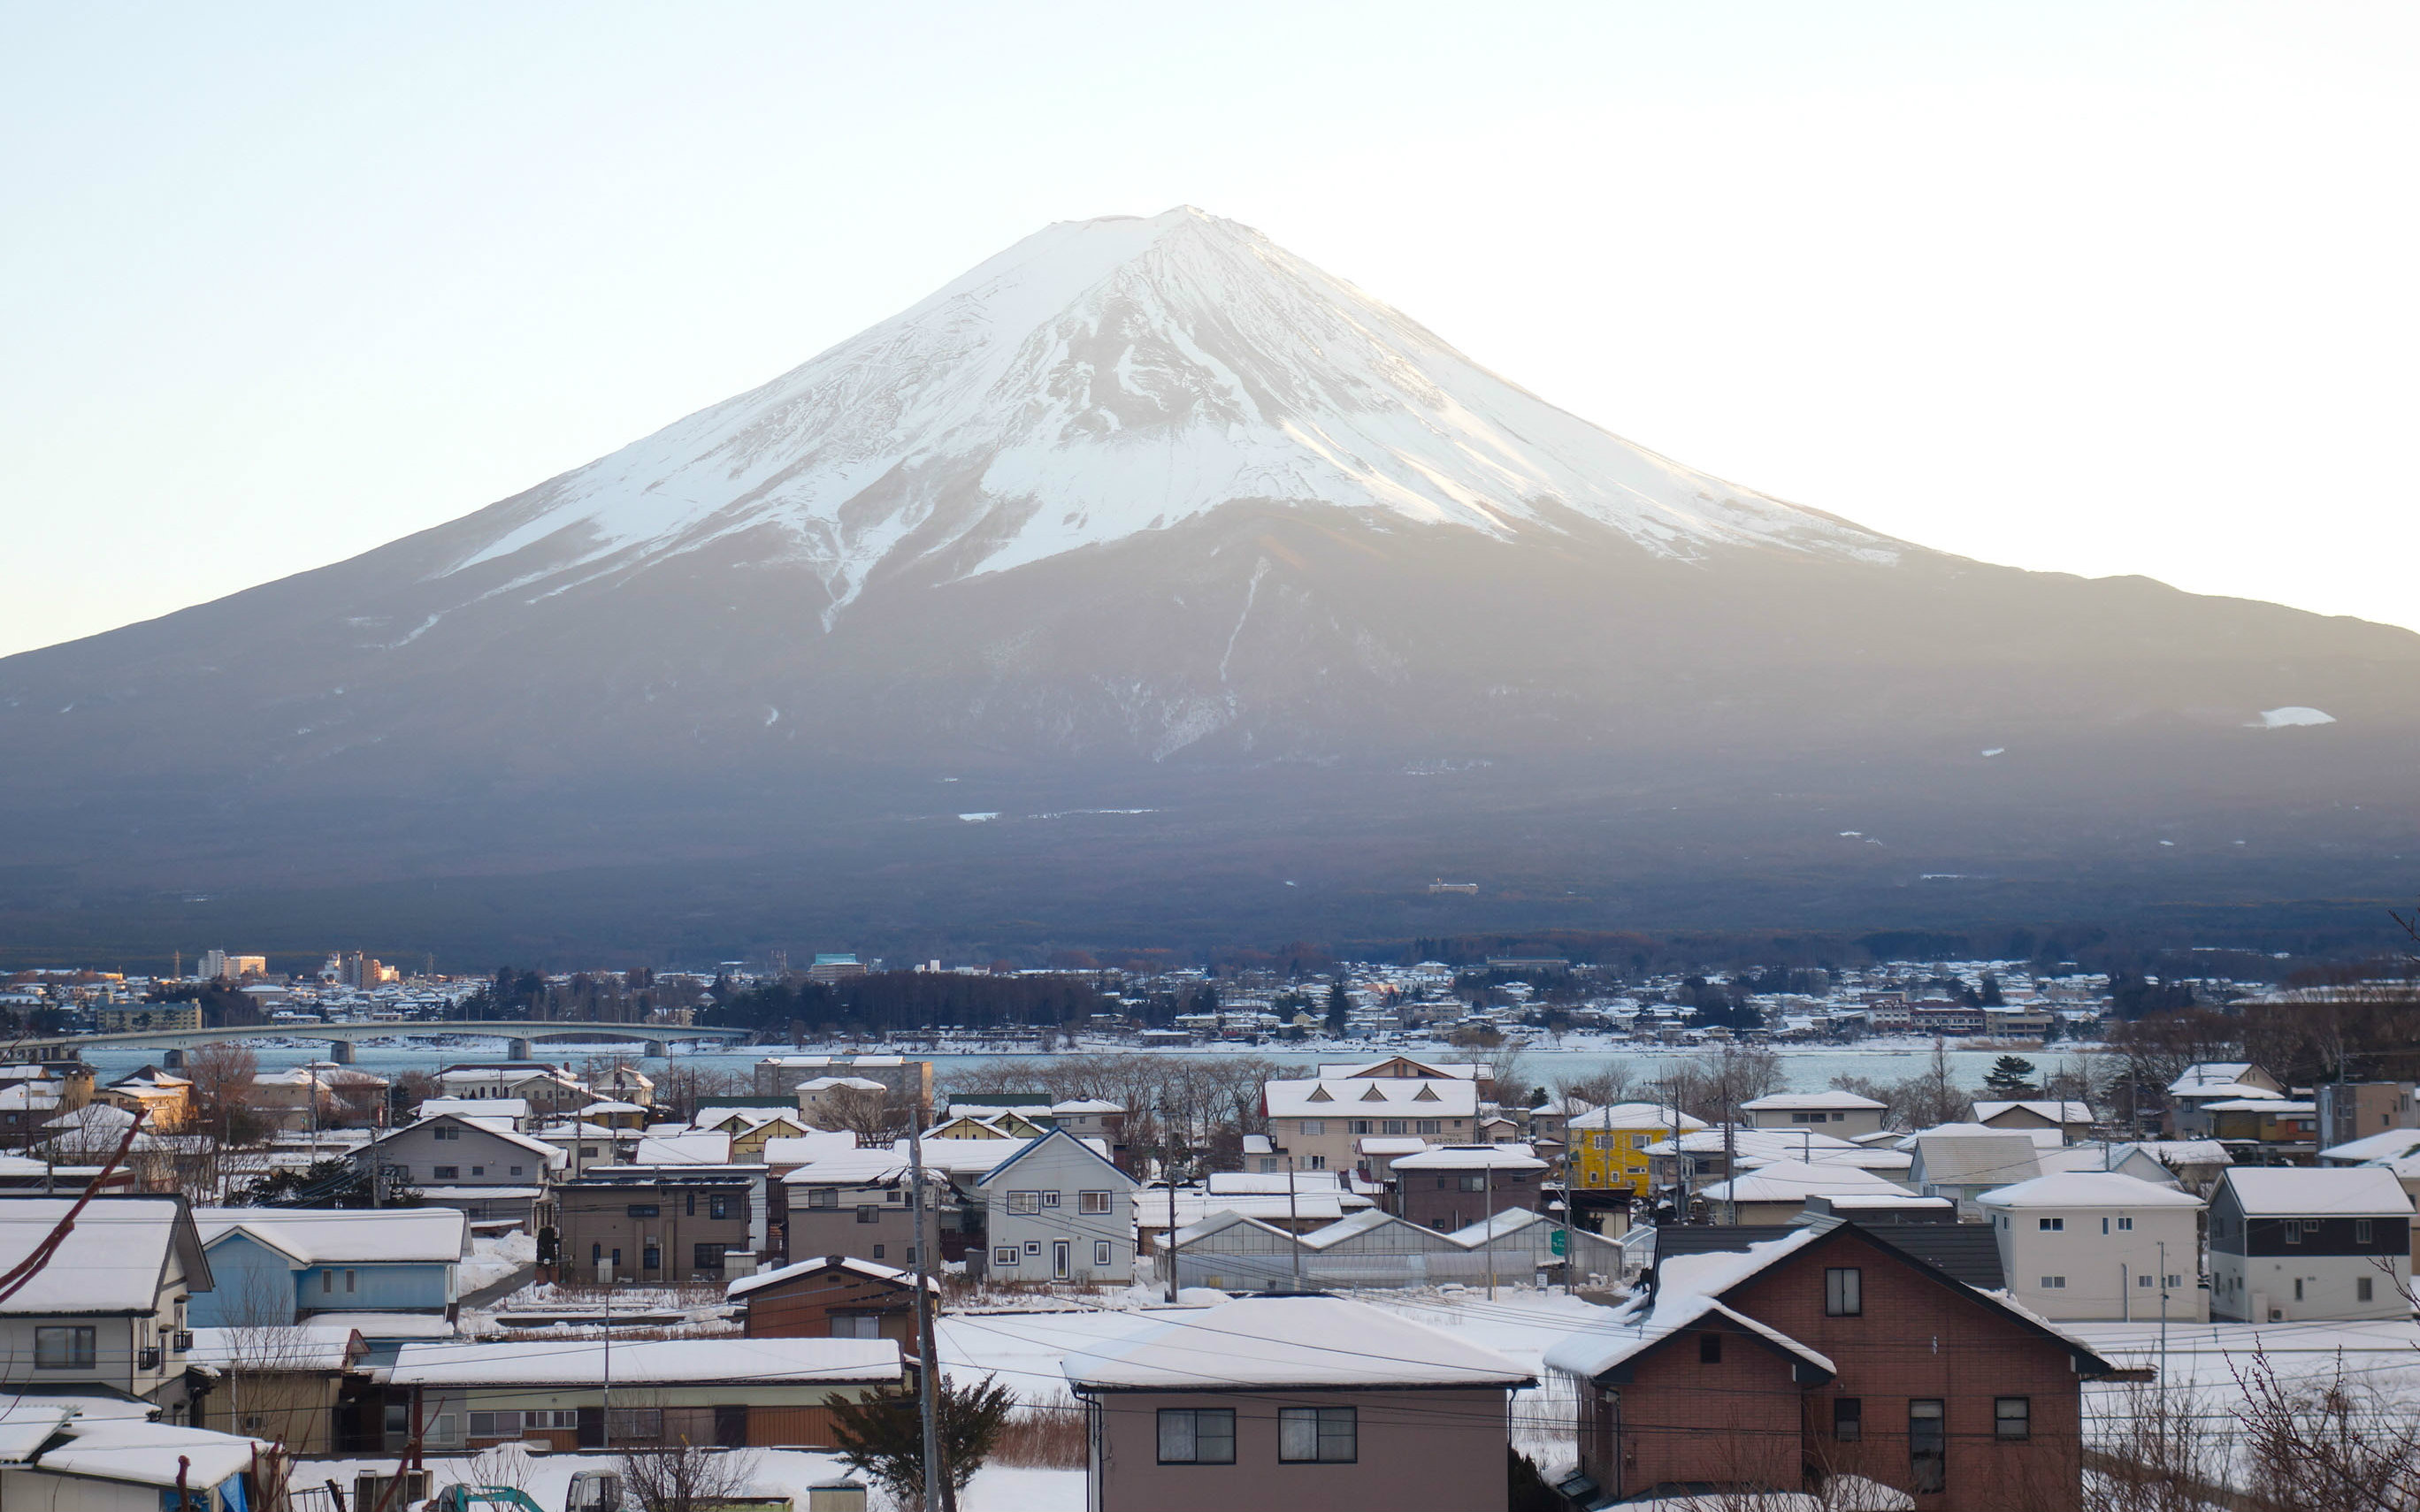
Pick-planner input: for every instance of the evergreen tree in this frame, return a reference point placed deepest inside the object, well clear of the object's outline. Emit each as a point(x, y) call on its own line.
point(2011, 1076)
point(1340, 1008)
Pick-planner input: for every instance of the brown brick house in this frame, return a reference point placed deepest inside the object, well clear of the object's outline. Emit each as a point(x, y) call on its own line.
point(1454, 1186)
point(1826, 1353)
point(830, 1296)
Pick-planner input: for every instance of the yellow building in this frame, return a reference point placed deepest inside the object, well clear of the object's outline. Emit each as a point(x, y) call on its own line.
point(144, 1018)
point(1608, 1146)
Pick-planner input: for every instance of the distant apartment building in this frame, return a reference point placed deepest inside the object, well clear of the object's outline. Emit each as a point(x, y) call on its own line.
point(146, 1018)
point(218, 966)
point(2352, 1110)
point(830, 967)
point(782, 1075)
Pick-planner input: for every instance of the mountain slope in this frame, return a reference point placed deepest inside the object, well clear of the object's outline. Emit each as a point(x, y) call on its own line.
point(1151, 514)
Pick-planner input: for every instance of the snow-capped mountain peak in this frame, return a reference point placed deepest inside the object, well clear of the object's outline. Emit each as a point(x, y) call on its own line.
point(1108, 377)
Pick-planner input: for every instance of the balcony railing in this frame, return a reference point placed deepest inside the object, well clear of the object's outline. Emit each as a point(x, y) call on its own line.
point(148, 1357)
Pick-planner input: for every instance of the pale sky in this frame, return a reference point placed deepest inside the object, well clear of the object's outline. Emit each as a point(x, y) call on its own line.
point(2102, 287)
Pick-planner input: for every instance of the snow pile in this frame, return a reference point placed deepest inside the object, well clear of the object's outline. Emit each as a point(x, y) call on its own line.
point(2291, 717)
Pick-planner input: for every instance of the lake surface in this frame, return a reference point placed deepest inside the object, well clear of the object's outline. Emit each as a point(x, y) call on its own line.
point(1803, 1069)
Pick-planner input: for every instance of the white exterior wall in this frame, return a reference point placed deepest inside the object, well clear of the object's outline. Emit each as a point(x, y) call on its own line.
point(2251, 1288)
point(1063, 1170)
point(2103, 1272)
point(35, 1490)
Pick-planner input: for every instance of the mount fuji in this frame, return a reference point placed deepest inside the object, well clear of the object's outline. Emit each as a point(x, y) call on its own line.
point(1147, 584)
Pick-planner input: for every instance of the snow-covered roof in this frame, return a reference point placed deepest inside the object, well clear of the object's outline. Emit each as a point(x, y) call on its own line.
point(2317, 1192)
point(1686, 1289)
point(874, 1270)
point(853, 1167)
point(313, 1346)
point(1087, 1104)
point(1257, 1183)
point(1260, 1343)
point(2043, 1138)
point(2211, 1073)
point(2056, 1110)
point(1060, 1137)
point(1993, 1158)
point(1192, 1207)
point(644, 1363)
point(1473, 1158)
point(2227, 1092)
point(1790, 1180)
point(2088, 1189)
point(552, 1156)
point(473, 1107)
point(701, 1149)
point(312, 1236)
point(1466, 1071)
point(797, 1150)
point(151, 1454)
point(2264, 1102)
point(1423, 1097)
point(1834, 1100)
point(112, 1261)
point(611, 1105)
point(2394, 1144)
point(1638, 1116)
point(1387, 1146)
point(389, 1327)
point(854, 1083)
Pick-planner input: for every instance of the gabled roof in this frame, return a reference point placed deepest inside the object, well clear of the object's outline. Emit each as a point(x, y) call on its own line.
point(2056, 1110)
point(1720, 1275)
point(2317, 1192)
point(816, 1265)
point(1426, 1097)
point(316, 1236)
point(2211, 1073)
point(2088, 1189)
point(1305, 1342)
point(1046, 1138)
point(539, 1147)
point(1637, 1116)
point(647, 1362)
point(1812, 1101)
point(1792, 1180)
point(112, 1261)
point(1472, 1158)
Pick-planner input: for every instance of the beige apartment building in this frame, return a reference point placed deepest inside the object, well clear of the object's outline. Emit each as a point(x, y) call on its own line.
point(1320, 1123)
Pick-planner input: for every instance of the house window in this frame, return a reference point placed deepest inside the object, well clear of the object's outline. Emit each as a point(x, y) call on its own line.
point(2012, 1417)
point(2361, 1288)
point(1474, 1182)
point(1848, 1419)
point(348, 1281)
point(857, 1326)
point(2145, 1279)
point(2298, 1288)
point(1025, 1202)
point(516, 1170)
point(1844, 1292)
point(2124, 1225)
point(1033, 1246)
point(717, 1206)
point(641, 1210)
point(823, 1197)
point(446, 1131)
point(2293, 1230)
point(1430, 1126)
point(1356, 1126)
point(1316, 1162)
point(1710, 1349)
point(655, 1257)
point(1197, 1436)
point(1927, 1447)
point(1093, 1202)
point(2361, 1231)
point(1051, 1199)
point(1392, 1126)
point(912, 1253)
point(690, 1211)
point(1101, 1258)
point(707, 1257)
point(635, 1424)
point(893, 1196)
point(868, 1213)
point(2052, 1226)
point(478, 1170)
point(1317, 1435)
point(63, 1349)
point(2054, 1283)
point(1313, 1126)
point(1004, 1255)
point(327, 1281)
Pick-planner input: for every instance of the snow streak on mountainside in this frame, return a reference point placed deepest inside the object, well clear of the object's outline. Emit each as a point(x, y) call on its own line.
point(1104, 378)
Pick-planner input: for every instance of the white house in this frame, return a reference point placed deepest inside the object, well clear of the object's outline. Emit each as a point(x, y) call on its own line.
point(1845, 1113)
point(2094, 1245)
point(108, 1311)
point(1058, 1210)
point(2288, 1244)
point(2073, 1121)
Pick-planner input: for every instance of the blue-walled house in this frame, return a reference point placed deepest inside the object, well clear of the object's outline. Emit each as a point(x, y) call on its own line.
point(293, 1265)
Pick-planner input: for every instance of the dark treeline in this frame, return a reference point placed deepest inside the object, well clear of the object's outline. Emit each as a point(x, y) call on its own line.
point(896, 1002)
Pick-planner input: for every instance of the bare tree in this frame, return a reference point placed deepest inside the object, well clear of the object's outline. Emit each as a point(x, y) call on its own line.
point(2330, 1442)
point(226, 1099)
point(681, 1476)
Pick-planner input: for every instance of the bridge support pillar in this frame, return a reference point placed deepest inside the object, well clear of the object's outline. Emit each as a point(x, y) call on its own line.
point(172, 1060)
point(517, 1049)
point(341, 1051)
point(658, 1049)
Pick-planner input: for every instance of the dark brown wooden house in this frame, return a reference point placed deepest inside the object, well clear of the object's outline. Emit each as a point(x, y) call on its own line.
point(830, 1296)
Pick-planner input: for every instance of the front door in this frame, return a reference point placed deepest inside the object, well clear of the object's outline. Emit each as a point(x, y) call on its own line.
point(1059, 1250)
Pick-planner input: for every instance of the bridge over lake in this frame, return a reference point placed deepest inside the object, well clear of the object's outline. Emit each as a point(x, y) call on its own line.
point(521, 1036)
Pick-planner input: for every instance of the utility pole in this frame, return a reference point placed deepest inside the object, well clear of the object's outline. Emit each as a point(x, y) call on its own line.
point(925, 1381)
point(1487, 1208)
point(1294, 1224)
point(1731, 1145)
point(605, 1389)
point(1168, 1175)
